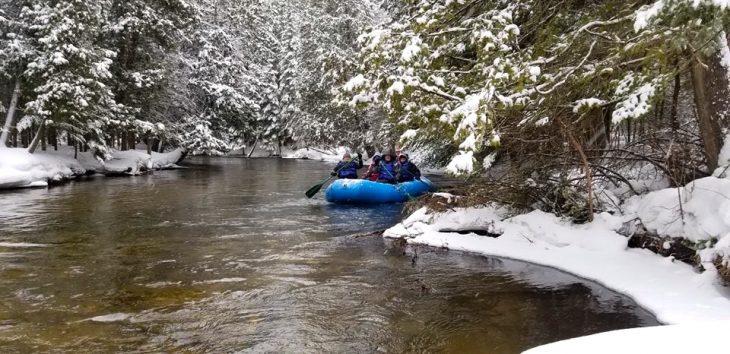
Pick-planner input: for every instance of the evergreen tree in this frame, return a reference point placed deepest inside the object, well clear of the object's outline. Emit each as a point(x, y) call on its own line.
point(70, 75)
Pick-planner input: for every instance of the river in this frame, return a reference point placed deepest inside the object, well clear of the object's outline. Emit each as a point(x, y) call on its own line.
point(228, 255)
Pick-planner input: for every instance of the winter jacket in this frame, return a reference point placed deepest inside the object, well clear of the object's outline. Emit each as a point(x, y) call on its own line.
point(407, 172)
point(348, 169)
point(372, 173)
point(387, 172)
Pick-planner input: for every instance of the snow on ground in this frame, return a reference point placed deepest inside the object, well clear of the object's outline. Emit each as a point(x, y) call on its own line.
point(677, 294)
point(20, 169)
point(673, 291)
point(315, 154)
point(676, 339)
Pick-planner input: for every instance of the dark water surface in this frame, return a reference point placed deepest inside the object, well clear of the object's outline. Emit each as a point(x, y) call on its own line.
point(228, 256)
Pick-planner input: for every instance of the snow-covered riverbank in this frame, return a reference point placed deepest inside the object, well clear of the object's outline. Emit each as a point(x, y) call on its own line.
point(694, 338)
point(674, 291)
point(20, 169)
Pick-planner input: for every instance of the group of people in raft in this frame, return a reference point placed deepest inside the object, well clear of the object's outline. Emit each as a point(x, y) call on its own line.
point(387, 168)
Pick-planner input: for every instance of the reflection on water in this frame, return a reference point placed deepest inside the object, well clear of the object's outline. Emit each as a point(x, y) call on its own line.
point(229, 256)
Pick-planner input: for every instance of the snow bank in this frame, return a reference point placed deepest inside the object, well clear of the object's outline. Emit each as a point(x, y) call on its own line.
point(20, 169)
point(678, 339)
point(674, 292)
point(698, 211)
point(315, 154)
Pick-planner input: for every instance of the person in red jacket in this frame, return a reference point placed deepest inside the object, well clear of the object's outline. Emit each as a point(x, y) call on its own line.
point(372, 172)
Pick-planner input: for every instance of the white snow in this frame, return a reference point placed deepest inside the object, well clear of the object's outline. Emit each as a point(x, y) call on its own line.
point(315, 154)
point(702, 211)
point(409, 134)
point(411, 50)
point(646, 14)
point(489, 160)
point(354, 83)
point(461, 163)
point(469, 144)
point(587, 103)
point(724, 53)
point(673, 291)
point(636, 104)
point(21, 169)
point(708, 337)
point(397, 87)
point(724, 158)
point(699, 212)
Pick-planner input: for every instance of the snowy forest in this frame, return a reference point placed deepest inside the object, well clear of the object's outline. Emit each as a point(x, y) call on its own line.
point(208, 75)
point(552, 97)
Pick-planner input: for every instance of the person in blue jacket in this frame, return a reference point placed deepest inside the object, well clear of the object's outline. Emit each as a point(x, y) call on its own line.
point(386, 169)
point(406, 170)
point(347, 168)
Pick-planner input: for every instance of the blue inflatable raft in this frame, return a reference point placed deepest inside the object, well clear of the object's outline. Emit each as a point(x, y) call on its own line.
point(360, 191)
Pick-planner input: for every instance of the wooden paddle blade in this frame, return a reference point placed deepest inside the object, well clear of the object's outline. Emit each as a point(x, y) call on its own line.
point(314, 190)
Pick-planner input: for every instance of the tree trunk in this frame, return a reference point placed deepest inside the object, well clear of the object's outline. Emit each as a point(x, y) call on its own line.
point(149, 148)
point(673, 122)
point(55, 139)
point(707, 118)
point(253, 148)
point(132, 143)
point(11, 114)
point(34, 144)
point(44, 139)
point(123, 137)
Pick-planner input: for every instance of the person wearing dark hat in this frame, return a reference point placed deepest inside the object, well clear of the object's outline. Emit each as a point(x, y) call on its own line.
point(406, 170)
point(347, 168)
point(372, 172)
point(386, 169)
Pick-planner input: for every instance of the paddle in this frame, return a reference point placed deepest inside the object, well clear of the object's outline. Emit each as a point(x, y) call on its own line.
point(311, 192)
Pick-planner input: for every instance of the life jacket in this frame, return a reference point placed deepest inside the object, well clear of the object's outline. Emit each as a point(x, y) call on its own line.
point(347, 169)
point(387, 171)
point(372, 173)
point(404, 172)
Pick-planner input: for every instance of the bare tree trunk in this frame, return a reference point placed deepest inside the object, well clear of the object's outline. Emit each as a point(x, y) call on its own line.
point(707, 119)
point(132, 144)
point(34, 144)
point(44, 139)
point(11, 114)
point(76, 149)
point(149, 148)
point(123, 137)
point(54, 138)
point(586, 167)
point(253, 148)
point(673, 122)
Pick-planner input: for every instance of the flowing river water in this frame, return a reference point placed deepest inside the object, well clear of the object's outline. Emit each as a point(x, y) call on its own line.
point(229, 256)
